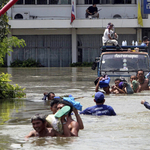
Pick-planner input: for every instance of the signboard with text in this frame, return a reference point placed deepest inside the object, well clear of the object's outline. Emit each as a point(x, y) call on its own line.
point(146, 6)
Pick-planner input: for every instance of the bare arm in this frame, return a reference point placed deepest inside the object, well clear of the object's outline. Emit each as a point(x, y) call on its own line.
point(120, 90)
point(31, 134)
point(79, 120)
point(109, 36)
point(75, 128)
point(97, 85)
point(88, 12)
point(116, 88)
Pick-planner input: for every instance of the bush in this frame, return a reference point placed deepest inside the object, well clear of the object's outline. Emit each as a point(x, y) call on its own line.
point(79, 64)
point(26, 63)
point(7, 90)
point(17, 63)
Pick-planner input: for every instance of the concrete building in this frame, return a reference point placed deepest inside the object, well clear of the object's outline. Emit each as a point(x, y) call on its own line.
point(52, 40)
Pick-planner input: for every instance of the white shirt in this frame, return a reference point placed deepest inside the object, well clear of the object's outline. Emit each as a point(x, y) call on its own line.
point(106, 33)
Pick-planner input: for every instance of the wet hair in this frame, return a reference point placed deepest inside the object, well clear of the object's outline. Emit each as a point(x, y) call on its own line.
point(145, 38)
point(67, 104)
point(117, 79)
point(55, 101)
point(138, 71)
point(133, 76)
point(50, 94)
point(41, 117)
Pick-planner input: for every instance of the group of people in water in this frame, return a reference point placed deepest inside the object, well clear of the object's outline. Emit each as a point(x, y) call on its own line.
point(138, 83)
point(60, 122)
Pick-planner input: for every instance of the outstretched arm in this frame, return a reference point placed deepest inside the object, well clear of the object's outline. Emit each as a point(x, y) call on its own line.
point(31, 134)
point(146, 104)
point(97, 85)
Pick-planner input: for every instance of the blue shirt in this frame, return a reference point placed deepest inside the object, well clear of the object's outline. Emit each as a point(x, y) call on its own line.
point(143, 44)
point(99, 110)
point(147, 105)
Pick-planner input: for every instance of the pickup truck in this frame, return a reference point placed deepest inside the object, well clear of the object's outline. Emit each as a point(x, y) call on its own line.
point(126, 62)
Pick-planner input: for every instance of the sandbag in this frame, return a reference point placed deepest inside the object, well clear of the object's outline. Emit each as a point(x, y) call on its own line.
point(104, 83)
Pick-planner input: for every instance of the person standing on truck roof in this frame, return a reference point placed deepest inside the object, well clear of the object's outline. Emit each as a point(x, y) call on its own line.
point(145, 41)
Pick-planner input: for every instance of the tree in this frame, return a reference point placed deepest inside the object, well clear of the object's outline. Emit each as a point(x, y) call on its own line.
point(6, 44)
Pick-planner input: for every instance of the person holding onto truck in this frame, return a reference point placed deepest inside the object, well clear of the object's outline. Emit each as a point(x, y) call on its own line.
point(143, 82)
point(134, 83)
point(116, 89)
point(103, 82)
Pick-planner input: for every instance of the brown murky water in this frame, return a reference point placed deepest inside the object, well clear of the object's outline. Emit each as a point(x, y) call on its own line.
point(129, 130)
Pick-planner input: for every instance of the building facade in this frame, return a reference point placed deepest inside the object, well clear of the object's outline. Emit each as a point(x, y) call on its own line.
point(54, 42)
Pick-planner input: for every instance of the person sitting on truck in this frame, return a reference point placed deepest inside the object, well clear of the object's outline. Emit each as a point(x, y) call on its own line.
point(107, 36)
point(143, 82)
point(145, 41)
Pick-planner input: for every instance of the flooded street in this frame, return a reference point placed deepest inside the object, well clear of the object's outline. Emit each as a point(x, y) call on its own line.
point(129, 130)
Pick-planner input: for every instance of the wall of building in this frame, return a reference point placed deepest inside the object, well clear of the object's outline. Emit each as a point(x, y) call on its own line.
point(53, 48)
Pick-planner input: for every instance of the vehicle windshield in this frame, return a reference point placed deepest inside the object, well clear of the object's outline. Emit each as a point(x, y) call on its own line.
point(124, 62)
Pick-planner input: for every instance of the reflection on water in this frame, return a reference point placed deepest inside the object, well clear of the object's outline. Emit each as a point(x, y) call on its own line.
point(7, 107)
point(128, 130)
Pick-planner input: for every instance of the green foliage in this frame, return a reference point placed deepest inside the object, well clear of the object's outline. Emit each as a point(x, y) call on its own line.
point(17, 63)
point(30, 63)
point(4, 26)
point(7, 44)
point(79, 64)
point(26, 63)
point(7, 90)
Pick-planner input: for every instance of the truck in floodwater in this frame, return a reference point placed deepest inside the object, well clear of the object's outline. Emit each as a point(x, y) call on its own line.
point(122, 63)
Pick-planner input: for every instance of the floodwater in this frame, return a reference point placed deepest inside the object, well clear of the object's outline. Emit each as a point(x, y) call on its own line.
point(129, 130)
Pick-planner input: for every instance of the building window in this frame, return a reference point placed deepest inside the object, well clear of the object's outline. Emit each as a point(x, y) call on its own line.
point(60, 2)
point(91, 1)
point(122, 2)
point(108, 1)
point(53, 1)
point(29, 1)
point(41, 1)
point(19, 2)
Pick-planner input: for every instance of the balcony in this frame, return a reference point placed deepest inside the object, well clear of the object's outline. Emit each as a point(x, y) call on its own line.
point(58, 16)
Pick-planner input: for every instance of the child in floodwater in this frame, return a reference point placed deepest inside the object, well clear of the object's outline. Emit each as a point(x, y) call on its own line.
point(134, 83)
